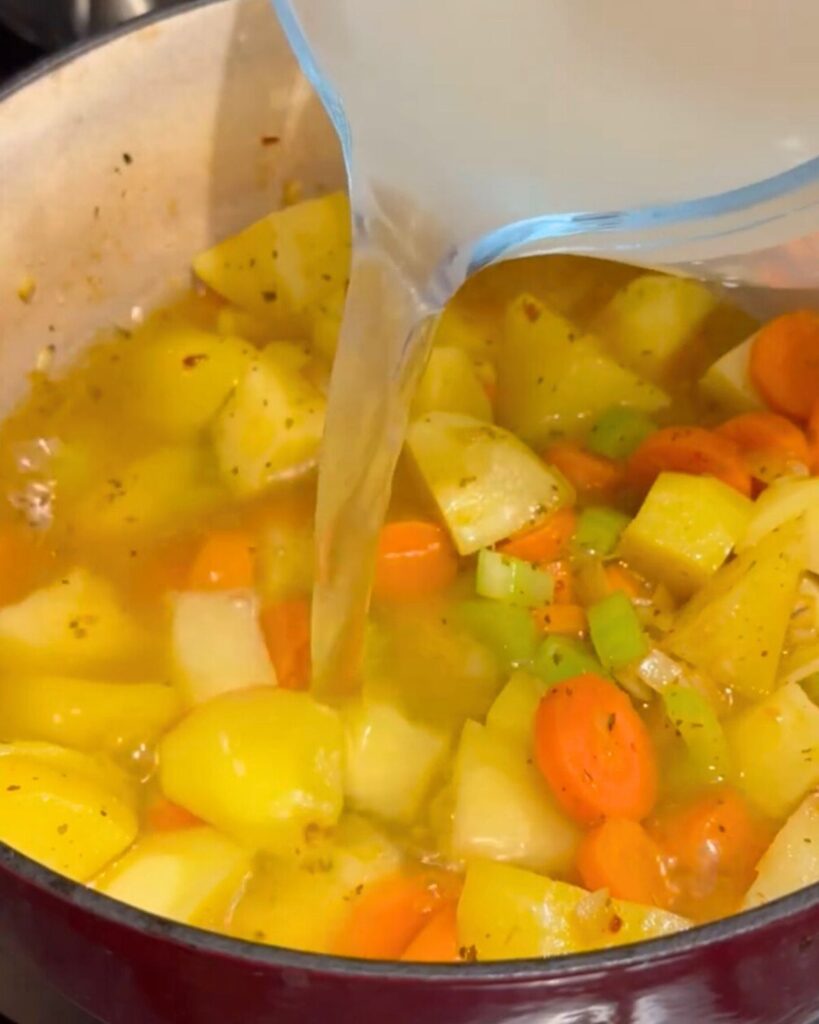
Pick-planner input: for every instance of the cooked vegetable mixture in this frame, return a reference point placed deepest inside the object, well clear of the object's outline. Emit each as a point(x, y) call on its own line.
point(588, 712)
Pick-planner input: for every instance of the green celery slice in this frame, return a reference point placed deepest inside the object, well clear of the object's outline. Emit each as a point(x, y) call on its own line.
point(508, 631)
point(599, 528)
point(616, 632)
point(619, 431)
point(695, 720)
point(562, 657)
point(512, 581)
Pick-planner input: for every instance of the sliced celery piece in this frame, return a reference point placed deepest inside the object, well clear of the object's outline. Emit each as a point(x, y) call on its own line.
point(563, 657)
point(619, 431)
point(508, 631)
point(616, 632)
point(691, 714)
point(599, 529)
point(512, 581)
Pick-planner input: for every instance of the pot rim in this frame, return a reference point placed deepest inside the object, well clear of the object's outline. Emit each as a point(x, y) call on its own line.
point(635, 957)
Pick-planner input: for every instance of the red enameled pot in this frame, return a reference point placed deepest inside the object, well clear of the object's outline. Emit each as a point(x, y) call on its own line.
point(118, 161)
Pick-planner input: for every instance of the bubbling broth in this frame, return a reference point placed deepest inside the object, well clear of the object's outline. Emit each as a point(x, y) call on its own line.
point(581, 709)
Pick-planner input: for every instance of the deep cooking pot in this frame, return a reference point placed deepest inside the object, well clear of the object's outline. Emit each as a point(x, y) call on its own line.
point(53, 23)
point(117, 163)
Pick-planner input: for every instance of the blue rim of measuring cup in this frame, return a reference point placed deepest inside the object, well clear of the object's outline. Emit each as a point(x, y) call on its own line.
point(515, 236)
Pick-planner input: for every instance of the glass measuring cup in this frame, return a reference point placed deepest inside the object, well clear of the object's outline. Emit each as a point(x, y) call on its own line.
point(677, 136)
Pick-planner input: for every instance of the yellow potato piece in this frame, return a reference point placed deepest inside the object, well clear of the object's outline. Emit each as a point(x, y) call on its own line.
point(180, 378)
point(187, 875)
point(734, 628)
point(76, 624)
point(503, 810)
point(86, 714)
point(301, 903)
point(507, 913)
point(685, 529)
point(258, 764)
point(62, 811)
point(281, 268)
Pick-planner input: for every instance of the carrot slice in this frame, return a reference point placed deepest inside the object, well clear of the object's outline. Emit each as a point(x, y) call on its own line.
point(692, 450)
point(621, 856)
point(716, 833)
point(437, 942)
point(764, 433)
point(566, 619)
point(164, 816)
point(784, 364)
point(594, 751)
point(286, 629)
point(589, 474)
point(389, 914)
point(545, 542)
point(618, 577)
point(414, 559)
point(223, 562)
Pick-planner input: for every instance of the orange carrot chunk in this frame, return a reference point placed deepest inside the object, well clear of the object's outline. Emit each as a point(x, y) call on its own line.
point(594, 751)
point(766, 433)
point(565, 619)
point(437, 942)
point(716, 833)
point(414, 559)
point(546, 542)
point(692, 450)
point(164, 816)
point(387, 916)
point(784, 364)
point(618, 577)
point(223, 562)
point(620, 855)
point(286, 629)
point(591, 475)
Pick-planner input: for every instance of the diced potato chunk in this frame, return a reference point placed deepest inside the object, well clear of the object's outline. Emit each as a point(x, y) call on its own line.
point(260, 765)
point(728, 385)
point(218, 645)
point(301, 903)
point(74, 625)
point(514, 708)
point(650, 322)
point(461, 328)
point(450, 383)
point(180, 378)
point(271, 427)
point(61, 811)
point(782, 503)
point(792, 860)
point(282, 267)
point(375, 733)
point(503, 809)
point(85, 713)
point(685, 529)
point(552, 378)
point(423, 663)
point(161, 491)
point(775, 749)
point(186, 875)
point(734, 628)
point(486, 483)
point(507, 913)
